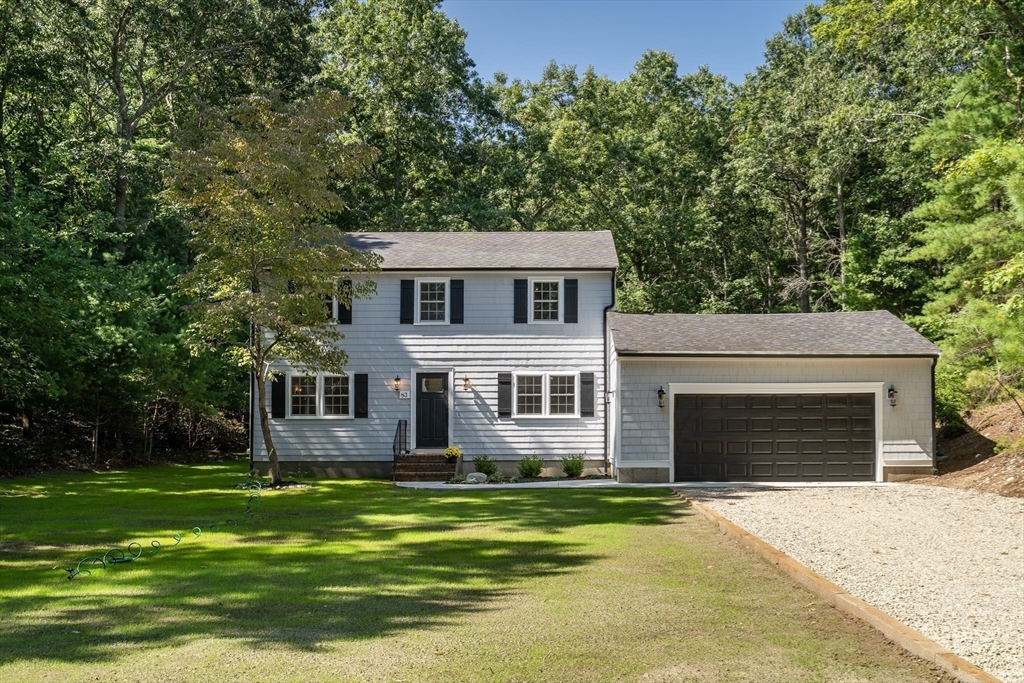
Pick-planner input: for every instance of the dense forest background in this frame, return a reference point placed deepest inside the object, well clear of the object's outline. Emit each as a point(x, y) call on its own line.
point(875, 160)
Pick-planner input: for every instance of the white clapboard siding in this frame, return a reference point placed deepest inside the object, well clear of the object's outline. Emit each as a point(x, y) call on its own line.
point(489, 342)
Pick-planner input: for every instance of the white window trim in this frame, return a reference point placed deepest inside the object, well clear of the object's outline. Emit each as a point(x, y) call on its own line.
point(320, 400)
point(561, 300)
point(546, 395)
point(447, 301)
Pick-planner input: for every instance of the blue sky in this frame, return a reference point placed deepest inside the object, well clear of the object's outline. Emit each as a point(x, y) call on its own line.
point(520, 37)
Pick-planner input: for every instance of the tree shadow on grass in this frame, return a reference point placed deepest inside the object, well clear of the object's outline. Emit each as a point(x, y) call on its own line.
point(341, 561)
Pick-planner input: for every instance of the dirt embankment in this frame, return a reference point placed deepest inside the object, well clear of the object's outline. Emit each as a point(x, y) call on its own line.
point(971, 461)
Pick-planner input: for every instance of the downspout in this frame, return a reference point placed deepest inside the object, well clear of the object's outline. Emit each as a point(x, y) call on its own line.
point(935, 432)
point(604, 332)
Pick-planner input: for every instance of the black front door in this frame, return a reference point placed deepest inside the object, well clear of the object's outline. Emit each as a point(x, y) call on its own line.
point(432, 410)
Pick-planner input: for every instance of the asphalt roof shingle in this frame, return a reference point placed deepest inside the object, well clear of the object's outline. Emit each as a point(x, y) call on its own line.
point(856, 333)
point(576, 250)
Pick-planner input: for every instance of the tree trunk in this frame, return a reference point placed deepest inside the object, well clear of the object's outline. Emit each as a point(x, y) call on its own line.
point(805, 285)
point(275, 466)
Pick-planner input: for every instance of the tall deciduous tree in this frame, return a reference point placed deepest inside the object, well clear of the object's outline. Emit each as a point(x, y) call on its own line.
point(416, 98)
point(260, 192)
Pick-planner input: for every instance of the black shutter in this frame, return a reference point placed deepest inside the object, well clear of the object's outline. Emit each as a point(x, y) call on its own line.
point(362, 396)
point(277, 397)
point(345, 312)
point(586, 394)
point(457, 289)
point(329, 305)
point(408, 301)
point(504, 394)
point(521, 303)
point(572, 307)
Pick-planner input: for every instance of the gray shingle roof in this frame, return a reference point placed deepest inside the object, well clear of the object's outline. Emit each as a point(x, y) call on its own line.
point(578, 250)
point(858, 333)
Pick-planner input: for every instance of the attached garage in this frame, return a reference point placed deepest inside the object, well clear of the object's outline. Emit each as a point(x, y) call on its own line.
point(826, 397)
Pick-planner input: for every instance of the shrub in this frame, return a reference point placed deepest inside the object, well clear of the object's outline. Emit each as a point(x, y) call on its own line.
point(452, 453)
point(495, 478)
point(572, 466)
point(485, 465)
point(530, 466)
point(458, 479)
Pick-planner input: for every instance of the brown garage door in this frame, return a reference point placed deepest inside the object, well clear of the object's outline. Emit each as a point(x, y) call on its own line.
point(787, 437)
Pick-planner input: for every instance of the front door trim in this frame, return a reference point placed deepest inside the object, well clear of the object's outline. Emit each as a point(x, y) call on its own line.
point(876, 388)
point(413, 383)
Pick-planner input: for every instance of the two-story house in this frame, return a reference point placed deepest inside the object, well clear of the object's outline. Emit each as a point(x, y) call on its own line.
point(508, 345)
point(494, 342)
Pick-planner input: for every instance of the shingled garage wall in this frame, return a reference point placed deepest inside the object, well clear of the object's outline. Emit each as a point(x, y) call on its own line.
point(902, 434)
point(779, 397)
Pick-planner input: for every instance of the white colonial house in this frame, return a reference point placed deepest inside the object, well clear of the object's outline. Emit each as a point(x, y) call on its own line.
point(507, 345)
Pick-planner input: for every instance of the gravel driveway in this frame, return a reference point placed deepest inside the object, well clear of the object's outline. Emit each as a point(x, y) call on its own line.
point(945, 562)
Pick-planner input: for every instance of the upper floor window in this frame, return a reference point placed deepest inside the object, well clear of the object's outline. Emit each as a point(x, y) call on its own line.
point(432, 301)
point(546, 301)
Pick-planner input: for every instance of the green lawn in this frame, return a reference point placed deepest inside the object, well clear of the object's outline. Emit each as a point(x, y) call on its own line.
point(359, 580)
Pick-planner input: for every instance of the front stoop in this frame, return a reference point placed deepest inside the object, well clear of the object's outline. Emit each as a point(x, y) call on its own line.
point(424, 467)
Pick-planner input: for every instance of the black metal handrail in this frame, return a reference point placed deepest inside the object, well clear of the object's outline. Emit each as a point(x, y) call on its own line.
point(400, 446)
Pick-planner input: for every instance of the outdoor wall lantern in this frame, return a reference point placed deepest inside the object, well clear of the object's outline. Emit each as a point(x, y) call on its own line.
point(466, 384)
point(892, 395)
point(398, 383)
point(661, 397)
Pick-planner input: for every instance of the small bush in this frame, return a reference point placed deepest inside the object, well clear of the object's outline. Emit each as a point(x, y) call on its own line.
point(572, 466)
point(458, 479)
point(495, 478)
point(530, 466)
point(485, 465)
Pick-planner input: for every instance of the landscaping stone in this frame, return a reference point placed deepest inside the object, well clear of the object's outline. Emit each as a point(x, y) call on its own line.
point(476, 478)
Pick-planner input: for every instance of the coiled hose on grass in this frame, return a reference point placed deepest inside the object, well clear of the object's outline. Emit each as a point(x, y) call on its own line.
point(134, 551)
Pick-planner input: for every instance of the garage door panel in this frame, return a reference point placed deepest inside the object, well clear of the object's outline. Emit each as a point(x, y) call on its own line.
point(811, 424)
point(737, 424)
point(812, 401)
point(794, 437)
point(864, 401)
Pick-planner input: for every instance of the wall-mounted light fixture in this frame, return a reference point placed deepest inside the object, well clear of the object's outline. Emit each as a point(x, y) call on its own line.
point(466, 384)
point(892, 395)
point(661, 397)
point(398, 383)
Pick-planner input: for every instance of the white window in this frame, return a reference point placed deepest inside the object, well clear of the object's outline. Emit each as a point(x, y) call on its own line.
point(546, 301)
point(319, 396)
point(432, 301)
point(337, 400)
point(548, 394)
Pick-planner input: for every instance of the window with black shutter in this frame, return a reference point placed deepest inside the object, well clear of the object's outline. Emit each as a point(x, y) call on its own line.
point(571, 300)
point(521, 302)
point(277, 397)
point(586, 394)
point(504, 394)
point(362, 407)
point(457, 289)
point(345, 312)
point(408, 302)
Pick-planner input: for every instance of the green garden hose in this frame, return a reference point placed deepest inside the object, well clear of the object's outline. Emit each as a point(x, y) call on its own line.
point(134, 551)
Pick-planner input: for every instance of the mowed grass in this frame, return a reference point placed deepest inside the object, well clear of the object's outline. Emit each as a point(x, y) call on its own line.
point(363, 581)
